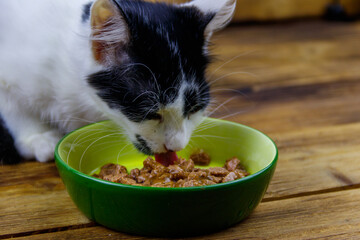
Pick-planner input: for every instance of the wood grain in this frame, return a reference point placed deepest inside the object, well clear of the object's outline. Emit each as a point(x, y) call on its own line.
point(28, 173)
point(310, 161)
point(324, 216)
point(33, 198)
point(304, 75)
point(301, 87)
point(285, 55)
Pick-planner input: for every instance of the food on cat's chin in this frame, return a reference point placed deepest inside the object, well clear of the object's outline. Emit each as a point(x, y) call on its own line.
point(182, 173)
point(200, 158)
point(166, 159)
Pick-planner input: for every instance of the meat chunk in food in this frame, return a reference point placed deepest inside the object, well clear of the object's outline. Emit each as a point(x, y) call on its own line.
point(201, 158)
point(230, 177)
point(218, 171)
point(188, 166)
point(232, 164)
point(181, 174)
point(112, 169)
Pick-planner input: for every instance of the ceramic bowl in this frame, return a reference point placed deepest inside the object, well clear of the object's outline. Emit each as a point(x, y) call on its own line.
point(165, 212)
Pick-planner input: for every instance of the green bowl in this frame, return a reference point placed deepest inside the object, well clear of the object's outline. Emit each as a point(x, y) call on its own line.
point(165, 212)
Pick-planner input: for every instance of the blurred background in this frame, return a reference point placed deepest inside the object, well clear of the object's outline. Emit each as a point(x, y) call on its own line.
point(275, 10)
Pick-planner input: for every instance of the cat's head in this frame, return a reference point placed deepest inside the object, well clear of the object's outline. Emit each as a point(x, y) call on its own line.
point(154, 58)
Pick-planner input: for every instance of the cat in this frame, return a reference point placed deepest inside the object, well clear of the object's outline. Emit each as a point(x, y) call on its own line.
point(66, 63)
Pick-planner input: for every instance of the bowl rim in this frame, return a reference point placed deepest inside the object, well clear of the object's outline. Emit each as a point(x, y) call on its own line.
point(273, 162)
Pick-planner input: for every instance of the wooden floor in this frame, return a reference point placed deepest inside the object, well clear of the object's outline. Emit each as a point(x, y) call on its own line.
point(297, 82)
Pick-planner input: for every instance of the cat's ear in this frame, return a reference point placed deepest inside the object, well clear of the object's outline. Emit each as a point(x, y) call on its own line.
point(109, 32)
point(222, 11)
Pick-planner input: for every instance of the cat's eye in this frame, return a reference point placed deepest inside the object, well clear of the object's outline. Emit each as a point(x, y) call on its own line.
point(155, 116)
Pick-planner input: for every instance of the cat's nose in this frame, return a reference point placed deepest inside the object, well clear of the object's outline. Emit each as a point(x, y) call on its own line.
point(172, 149)
point(168, 149)
point(175, 141)
point(174, 146)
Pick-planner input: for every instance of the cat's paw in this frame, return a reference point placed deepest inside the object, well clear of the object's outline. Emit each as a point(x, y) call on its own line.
point(40, 146)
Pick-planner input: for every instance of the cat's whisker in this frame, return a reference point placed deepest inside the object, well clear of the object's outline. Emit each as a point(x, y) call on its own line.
point(213, 103)
point(104, 146)
point(191, 144)
point(152, 73)
point(204, 124)
point(124, 154)
point(75, 143)
point(212, 82)
point(222, 105)
point(81, 121)
point(199, 136)
point(144, 93)
point(78, 140)
point(90, 145)
point(149, 111)
point(227, 90)
point(205, 127)
point(214, 136)
point(65, 119)
point(169, 88)
point(121, 150)
point(231, 60)
point(107, 145)
point(87, 139)
point(233, 114)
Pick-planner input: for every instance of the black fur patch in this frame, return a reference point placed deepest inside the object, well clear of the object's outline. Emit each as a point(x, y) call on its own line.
point(142, 145)
point(8, 152)
point(86, 12)
point(196, 99)
point(165, 48)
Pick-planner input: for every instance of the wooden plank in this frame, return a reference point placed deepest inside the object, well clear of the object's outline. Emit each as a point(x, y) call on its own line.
point(308, 69)
point(292, 108)
point(295, 54)
point(310, 161)
point(26, 173)
point(38, 201)
point(316, 159)
point(325, 216)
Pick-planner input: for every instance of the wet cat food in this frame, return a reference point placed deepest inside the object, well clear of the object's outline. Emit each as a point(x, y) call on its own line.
point(182, 173)
point(200, 158)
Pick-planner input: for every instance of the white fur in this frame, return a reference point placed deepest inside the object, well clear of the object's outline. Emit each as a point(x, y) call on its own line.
point(45, 55)
point(45, 58)
point(172, 134)
point(224, 10)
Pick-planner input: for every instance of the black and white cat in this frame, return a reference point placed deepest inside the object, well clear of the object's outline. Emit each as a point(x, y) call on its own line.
point(65, 63)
